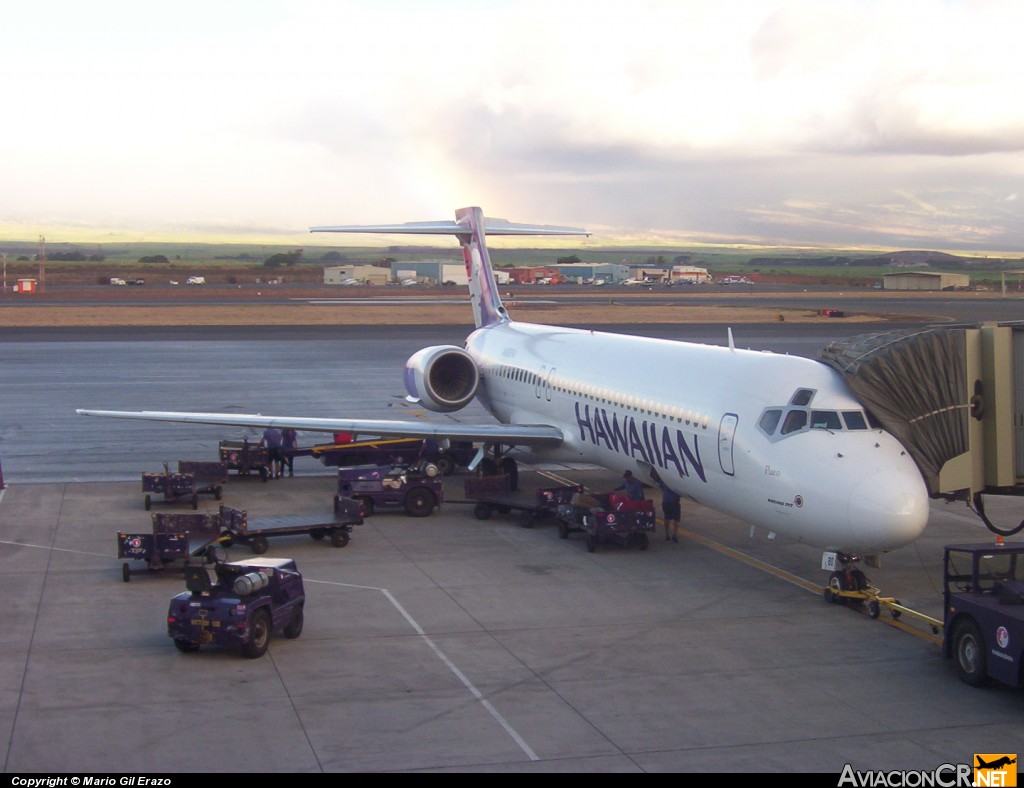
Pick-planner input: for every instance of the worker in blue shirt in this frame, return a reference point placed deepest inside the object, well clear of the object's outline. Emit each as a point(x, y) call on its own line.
point(273, 439)
point(670, 508)
point(632, 486)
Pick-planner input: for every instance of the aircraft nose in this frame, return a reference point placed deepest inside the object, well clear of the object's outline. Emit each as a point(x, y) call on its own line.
point(891, 506)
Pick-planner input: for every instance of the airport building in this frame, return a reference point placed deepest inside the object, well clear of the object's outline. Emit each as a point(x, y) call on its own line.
point(356, 274)
point(429, 272)
point(926, 280)
point(585, 273)
point(676, 274)
point(531, 276)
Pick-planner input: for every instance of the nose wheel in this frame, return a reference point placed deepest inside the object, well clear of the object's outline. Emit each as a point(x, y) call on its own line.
point(851, 587)
point(847, 586)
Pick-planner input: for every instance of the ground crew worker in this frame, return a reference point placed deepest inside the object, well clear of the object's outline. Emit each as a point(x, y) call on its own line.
point(632, 486)
point(670, 508)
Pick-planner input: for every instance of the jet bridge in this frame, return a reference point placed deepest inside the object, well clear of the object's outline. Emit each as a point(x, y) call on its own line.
point(954, 397)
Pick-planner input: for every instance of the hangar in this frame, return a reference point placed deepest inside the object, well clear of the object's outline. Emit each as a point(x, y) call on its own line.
point(926, 280)
point(364, 274)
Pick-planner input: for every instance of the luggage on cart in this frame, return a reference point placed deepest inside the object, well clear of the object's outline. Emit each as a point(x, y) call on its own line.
point(607, 517)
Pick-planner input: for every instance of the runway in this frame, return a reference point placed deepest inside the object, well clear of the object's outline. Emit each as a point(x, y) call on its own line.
point(444, 644)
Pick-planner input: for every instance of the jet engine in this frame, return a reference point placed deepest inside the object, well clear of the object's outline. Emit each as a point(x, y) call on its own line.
point(442, 378)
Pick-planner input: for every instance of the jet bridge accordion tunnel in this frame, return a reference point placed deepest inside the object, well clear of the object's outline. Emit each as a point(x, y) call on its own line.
point(954, 397)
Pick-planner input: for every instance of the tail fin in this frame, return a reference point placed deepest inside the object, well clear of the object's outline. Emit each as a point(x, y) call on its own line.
point(471, 228)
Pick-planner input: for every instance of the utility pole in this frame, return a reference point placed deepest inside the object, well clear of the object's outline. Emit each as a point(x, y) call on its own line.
point(42, 264)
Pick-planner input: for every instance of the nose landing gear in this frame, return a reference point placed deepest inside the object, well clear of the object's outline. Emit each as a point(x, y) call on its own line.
point(851, 587)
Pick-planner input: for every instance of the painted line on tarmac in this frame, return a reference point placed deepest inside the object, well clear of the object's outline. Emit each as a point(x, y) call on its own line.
point(930, 636)
point(412, 621)
point(448, 663)
point(807, 585)
point(53, 549)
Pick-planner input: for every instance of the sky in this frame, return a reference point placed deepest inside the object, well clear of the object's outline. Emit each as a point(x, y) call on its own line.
point(845, 123)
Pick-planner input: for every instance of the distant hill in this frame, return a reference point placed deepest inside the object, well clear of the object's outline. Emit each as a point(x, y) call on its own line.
point(905, 259)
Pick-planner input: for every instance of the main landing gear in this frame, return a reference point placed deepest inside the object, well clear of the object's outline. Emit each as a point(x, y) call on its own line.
point(850, 586)
point(498, 464)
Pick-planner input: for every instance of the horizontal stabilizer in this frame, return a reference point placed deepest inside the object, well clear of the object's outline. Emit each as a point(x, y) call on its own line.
point(448, 227)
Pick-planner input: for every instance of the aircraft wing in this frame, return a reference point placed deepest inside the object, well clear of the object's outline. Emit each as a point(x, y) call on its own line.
point(518, 434)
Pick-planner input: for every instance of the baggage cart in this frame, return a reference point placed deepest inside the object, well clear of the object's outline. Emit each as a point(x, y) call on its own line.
point(608, 517)
point(191, 480)
point(173, 487)
point(210, 476)
point(245, 458)
point(490, 494)
point(235, 526)
point(169, 540)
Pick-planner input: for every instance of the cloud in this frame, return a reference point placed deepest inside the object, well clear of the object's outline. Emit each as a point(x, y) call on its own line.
point(728, 118)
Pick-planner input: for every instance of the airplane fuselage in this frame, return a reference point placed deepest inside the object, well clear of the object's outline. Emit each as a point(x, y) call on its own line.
point(777, 441)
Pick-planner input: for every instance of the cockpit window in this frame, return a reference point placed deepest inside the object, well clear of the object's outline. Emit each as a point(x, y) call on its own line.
point(825, 420)
point(802, 397)
point(796, 420)
point(770, 420)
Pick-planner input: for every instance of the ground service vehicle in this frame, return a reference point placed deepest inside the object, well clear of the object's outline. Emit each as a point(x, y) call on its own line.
point(608, 517)
point(984, 611)
point(416, 489)
point(390, 451)
point(238, 604)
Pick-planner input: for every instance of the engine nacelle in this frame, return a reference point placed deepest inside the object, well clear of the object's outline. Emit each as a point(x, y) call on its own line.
point(443, 378)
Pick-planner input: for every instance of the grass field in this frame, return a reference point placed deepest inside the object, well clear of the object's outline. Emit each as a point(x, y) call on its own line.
point(227, 263)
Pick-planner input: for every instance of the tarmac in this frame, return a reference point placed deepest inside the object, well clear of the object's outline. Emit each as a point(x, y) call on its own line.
point(449, 643)
point(444, 643)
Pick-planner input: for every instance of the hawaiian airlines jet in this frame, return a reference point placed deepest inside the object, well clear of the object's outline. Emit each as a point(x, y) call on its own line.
point(777, 441)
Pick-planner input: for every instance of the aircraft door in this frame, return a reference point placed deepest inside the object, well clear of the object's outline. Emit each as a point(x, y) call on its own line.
point(726, 436)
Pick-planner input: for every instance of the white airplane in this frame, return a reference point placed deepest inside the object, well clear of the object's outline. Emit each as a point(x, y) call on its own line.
point(775, 440)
